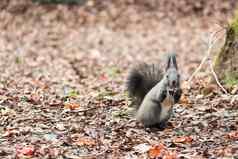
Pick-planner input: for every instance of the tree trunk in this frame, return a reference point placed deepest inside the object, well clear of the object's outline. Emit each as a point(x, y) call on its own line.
point(226, 61)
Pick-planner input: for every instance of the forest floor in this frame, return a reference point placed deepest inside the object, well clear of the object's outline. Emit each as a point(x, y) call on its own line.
point(62, 83)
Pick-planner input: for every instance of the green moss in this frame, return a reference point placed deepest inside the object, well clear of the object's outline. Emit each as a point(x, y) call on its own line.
point(234, 24)
point(231, 80)
point(218, 58)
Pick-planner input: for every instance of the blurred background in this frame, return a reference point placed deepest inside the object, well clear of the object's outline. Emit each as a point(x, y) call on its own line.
point(119, 32)
point(79, 51)
point(78, 42)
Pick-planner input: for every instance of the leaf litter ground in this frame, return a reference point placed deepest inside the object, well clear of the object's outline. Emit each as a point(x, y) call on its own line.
point(63, 71)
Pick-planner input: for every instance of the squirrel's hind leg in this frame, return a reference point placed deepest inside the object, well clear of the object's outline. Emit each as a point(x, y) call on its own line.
point(159, 126)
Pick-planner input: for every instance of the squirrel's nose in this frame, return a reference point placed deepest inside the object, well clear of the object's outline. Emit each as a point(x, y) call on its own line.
point(174, 83)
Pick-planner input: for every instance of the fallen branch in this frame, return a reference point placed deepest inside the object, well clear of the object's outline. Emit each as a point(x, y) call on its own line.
point(216, 78)
point(212, 40)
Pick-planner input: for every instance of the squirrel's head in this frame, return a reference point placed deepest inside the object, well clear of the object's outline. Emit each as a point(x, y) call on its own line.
point(173, 78)
point(171, 74)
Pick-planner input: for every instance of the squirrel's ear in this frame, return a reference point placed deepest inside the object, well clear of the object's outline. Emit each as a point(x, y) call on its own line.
point(171, 61)
point(168, 59)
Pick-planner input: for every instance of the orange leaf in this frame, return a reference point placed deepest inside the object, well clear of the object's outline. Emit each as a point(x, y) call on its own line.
point(184, 139)
point(156, 151)
point(86, 141)
point(71, 106)
point(184, 100)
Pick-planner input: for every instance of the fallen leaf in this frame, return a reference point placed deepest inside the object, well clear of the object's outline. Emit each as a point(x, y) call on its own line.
point(170, 155)
point(34, 99)
point(60, 126)
point(224, 151)
point(85, 141)
point(156, 151)
point(7, 111)
point(233, 135)
point(40, 84)
point(71, 106)
point(55, 103)
point(184, 100)
point(209, 89)
point(26, 151)
point(10, 133)
point(142, 148)
point(184, 139)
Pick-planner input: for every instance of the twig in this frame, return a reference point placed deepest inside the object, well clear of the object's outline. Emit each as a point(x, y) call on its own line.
point(199, 67)
point(77, 110)
point(216, 78)
point(212, 40)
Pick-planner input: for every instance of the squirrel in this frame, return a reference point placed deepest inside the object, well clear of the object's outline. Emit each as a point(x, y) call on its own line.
point(153, 92)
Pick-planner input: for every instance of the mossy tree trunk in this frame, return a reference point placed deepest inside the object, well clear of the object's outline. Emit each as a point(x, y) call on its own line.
point(226, 61)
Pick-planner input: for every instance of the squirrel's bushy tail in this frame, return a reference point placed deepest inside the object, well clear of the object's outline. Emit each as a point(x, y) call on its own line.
point(141, 80)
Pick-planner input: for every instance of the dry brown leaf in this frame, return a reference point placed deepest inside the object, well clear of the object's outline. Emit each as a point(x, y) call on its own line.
point(85, 141)
point(71, 106)
point(233, 135)
point(40, 84)
point(183, 139)
point(184, 100)
point(34, 99)
point(10, 133)
point(224, 151)
point(208, 89)
point(170, 155)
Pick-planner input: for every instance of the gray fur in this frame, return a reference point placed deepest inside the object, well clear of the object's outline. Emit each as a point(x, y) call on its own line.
point(141, 80)
point(151, 91)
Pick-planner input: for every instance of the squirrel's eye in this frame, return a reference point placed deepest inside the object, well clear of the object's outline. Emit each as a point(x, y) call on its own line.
point(167, 76)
